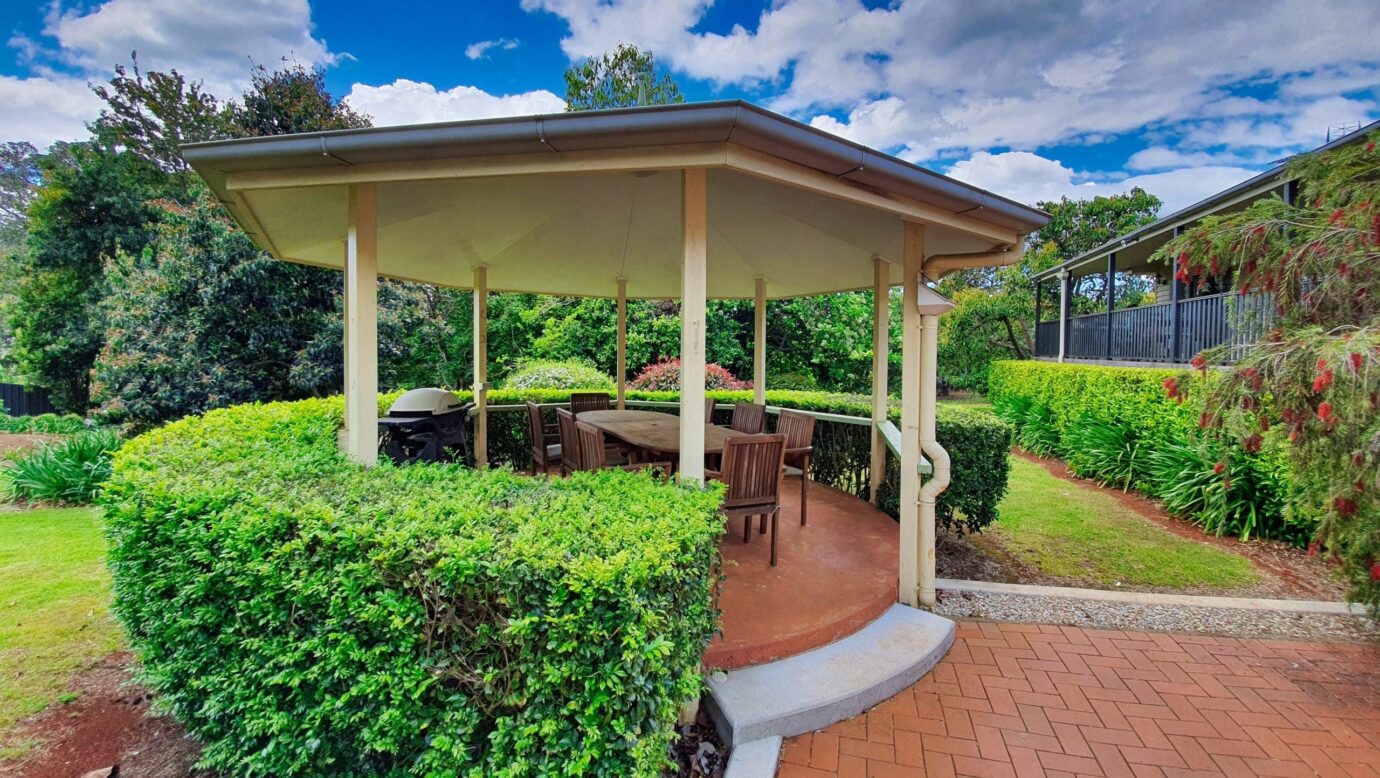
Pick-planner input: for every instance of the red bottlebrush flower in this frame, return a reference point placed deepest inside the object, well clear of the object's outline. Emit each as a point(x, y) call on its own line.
point(1213, 267)
point(1375, 229)
point(1370, 146)
point(1249, 403)
point(1226, 484)
point(1183, 259)
point(1218, 468)
point(1325, 410)
point(1374, 566)
point(1358, 486)
point(1358, 458)
point(1171, 387)
point(1251, 443)
point(1356, 360)
point(1322, 363)
point(1342, 269)
point(1323, 381)
point(1337, 216)
point(1294, 435)
point(1199, 361)
point(1205, 420)
point(1344, 506)
point(1313, 548)
point(1264, 424)
point(1276, 335)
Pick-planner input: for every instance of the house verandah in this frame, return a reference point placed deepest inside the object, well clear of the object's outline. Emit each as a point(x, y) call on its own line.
point(1114, 306)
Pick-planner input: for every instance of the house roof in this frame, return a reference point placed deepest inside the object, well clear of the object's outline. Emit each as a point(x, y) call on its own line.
point(1139, 244)
point(564, 203)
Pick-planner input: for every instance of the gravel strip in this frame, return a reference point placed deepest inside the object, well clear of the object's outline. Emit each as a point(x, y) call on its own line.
point(1160, 618)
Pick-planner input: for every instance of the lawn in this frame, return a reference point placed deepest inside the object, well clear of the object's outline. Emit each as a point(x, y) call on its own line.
point(54, 617)
point(1076, 532)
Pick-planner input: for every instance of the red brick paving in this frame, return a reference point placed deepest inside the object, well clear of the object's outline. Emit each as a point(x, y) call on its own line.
point(1037, 700)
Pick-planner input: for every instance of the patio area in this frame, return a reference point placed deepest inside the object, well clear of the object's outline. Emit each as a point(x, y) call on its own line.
point(1043, 700)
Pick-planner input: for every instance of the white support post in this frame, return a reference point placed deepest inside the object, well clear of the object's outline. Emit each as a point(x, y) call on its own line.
point(620, 376)
point(1063, 276)
point(481, 366)
point(692, 323)
point(759, 342)
point(881, 321)
point(910, 550)
point(361, 326)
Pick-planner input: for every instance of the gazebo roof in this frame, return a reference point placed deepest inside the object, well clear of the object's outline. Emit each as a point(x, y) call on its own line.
point(567, 203)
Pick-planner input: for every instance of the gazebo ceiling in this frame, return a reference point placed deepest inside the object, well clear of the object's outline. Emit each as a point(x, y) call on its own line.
point(572, 222)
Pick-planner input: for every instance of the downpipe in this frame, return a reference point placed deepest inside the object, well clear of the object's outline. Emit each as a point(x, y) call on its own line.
point(938, 456)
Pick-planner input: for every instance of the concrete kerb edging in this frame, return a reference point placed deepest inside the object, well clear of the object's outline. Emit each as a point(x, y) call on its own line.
point(1153, 598)
point(755, 759)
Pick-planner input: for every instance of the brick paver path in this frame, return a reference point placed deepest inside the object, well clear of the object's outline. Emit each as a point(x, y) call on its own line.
point(1029, 700)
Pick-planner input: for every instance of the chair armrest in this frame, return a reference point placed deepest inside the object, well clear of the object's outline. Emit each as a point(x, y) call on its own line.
point(714, 474)
point(798, 451)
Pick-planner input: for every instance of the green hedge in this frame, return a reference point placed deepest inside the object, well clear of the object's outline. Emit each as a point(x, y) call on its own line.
point(43, 424)
point(978, 445)
point(301, 615)
point(1119, 426)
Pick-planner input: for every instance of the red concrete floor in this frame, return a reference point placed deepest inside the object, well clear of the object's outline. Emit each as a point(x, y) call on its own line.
point(1039, 700)
point(832, 577)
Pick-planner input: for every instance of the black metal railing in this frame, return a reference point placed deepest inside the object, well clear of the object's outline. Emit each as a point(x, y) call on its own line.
point(1146, 333)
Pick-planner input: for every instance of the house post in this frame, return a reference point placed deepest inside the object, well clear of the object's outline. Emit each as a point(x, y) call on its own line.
point(481, 366)
point(1065, 304)
point(1038, 284)
point(620, 374)
point(759, 342)
point(881, 322)
point(694, 232)
point(911, 549)
point(361, 326)
point(1176, 294)
point(1111, 299)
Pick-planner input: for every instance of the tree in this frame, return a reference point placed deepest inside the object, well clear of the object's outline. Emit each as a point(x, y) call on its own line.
point(622, 78)
point(19, 177)
point(1079, 226)
point(291, 100)
point(91, 204)
point(1316, 371)
point(152, 115)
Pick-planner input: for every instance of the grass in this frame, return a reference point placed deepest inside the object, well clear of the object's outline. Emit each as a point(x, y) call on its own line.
point(1075, 532)
point(54, 617)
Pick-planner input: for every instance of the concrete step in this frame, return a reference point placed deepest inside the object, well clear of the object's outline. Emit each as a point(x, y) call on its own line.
point(831, 683)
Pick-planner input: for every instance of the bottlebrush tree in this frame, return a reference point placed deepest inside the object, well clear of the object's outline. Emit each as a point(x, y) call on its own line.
point(1316, 371)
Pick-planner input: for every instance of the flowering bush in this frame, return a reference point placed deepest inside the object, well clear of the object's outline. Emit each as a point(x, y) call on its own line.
point(554, 374)
point(664, 376)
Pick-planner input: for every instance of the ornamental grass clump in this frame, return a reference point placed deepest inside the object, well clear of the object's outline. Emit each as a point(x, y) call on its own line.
point(1314, 375)
point(68, 471)
point(302, 615)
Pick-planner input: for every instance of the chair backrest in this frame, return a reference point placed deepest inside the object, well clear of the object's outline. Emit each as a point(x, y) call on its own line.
point(536, 433)
point(709, 410)
point(570, 439)
point(797, 427)
point(748, 418)
point(752, 467)
point(588, 401)
point(591, 446)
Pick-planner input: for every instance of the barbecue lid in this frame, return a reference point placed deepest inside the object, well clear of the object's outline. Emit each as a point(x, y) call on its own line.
point(425, 402)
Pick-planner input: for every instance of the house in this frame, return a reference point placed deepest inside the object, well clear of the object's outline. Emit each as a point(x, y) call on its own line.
point(1177, 322)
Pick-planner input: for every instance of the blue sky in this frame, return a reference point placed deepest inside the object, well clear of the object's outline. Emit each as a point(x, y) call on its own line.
point(1030, 98)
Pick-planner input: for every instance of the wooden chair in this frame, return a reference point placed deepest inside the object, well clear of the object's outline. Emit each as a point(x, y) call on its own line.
point(752, 469)
point(570, 441)
point(709, 404)
point(799, 430)
point(748, 418)
point(543, 453)
point(588, 401)
point(593, 456)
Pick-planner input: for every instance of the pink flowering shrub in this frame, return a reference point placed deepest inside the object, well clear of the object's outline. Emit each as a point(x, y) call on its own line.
point(664, 376)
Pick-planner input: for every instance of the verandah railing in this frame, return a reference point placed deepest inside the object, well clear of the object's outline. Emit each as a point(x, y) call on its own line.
point(1146, 333)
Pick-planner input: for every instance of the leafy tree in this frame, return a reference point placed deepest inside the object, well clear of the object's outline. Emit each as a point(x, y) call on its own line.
point(19, 177)
point(152, 115)
point(91, 204)
point(622, 78)
point(1316, 371)
point(1079, 226)
point(291, 100)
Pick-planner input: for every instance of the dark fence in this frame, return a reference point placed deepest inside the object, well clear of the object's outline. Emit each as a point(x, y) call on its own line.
point(25, 401)
point(1146, 333)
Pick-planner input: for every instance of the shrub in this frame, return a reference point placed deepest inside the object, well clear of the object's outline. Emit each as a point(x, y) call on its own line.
point(43, 424)
point(799, 382)
point(664, 376)
point(70, 471)
point(302, 615)
point(1118, 425)
point(554, 374)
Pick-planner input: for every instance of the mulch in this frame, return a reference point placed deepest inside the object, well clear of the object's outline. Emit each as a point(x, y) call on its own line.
point(12, 443)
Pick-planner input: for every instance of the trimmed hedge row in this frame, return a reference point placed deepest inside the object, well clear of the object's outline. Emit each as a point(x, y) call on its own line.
point(1118, 425)
point(302, 615)
point(978, 445)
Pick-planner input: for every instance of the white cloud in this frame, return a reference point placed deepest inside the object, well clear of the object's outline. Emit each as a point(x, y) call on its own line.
point(1030, 178)
point(44, 110)
point(480, 49)
point(211, 42)
point(412, 102)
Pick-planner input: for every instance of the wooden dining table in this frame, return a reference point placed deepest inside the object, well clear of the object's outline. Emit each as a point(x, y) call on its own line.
point(653, 432)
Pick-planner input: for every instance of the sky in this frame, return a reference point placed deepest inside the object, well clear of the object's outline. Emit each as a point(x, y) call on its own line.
point(1031, 99)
